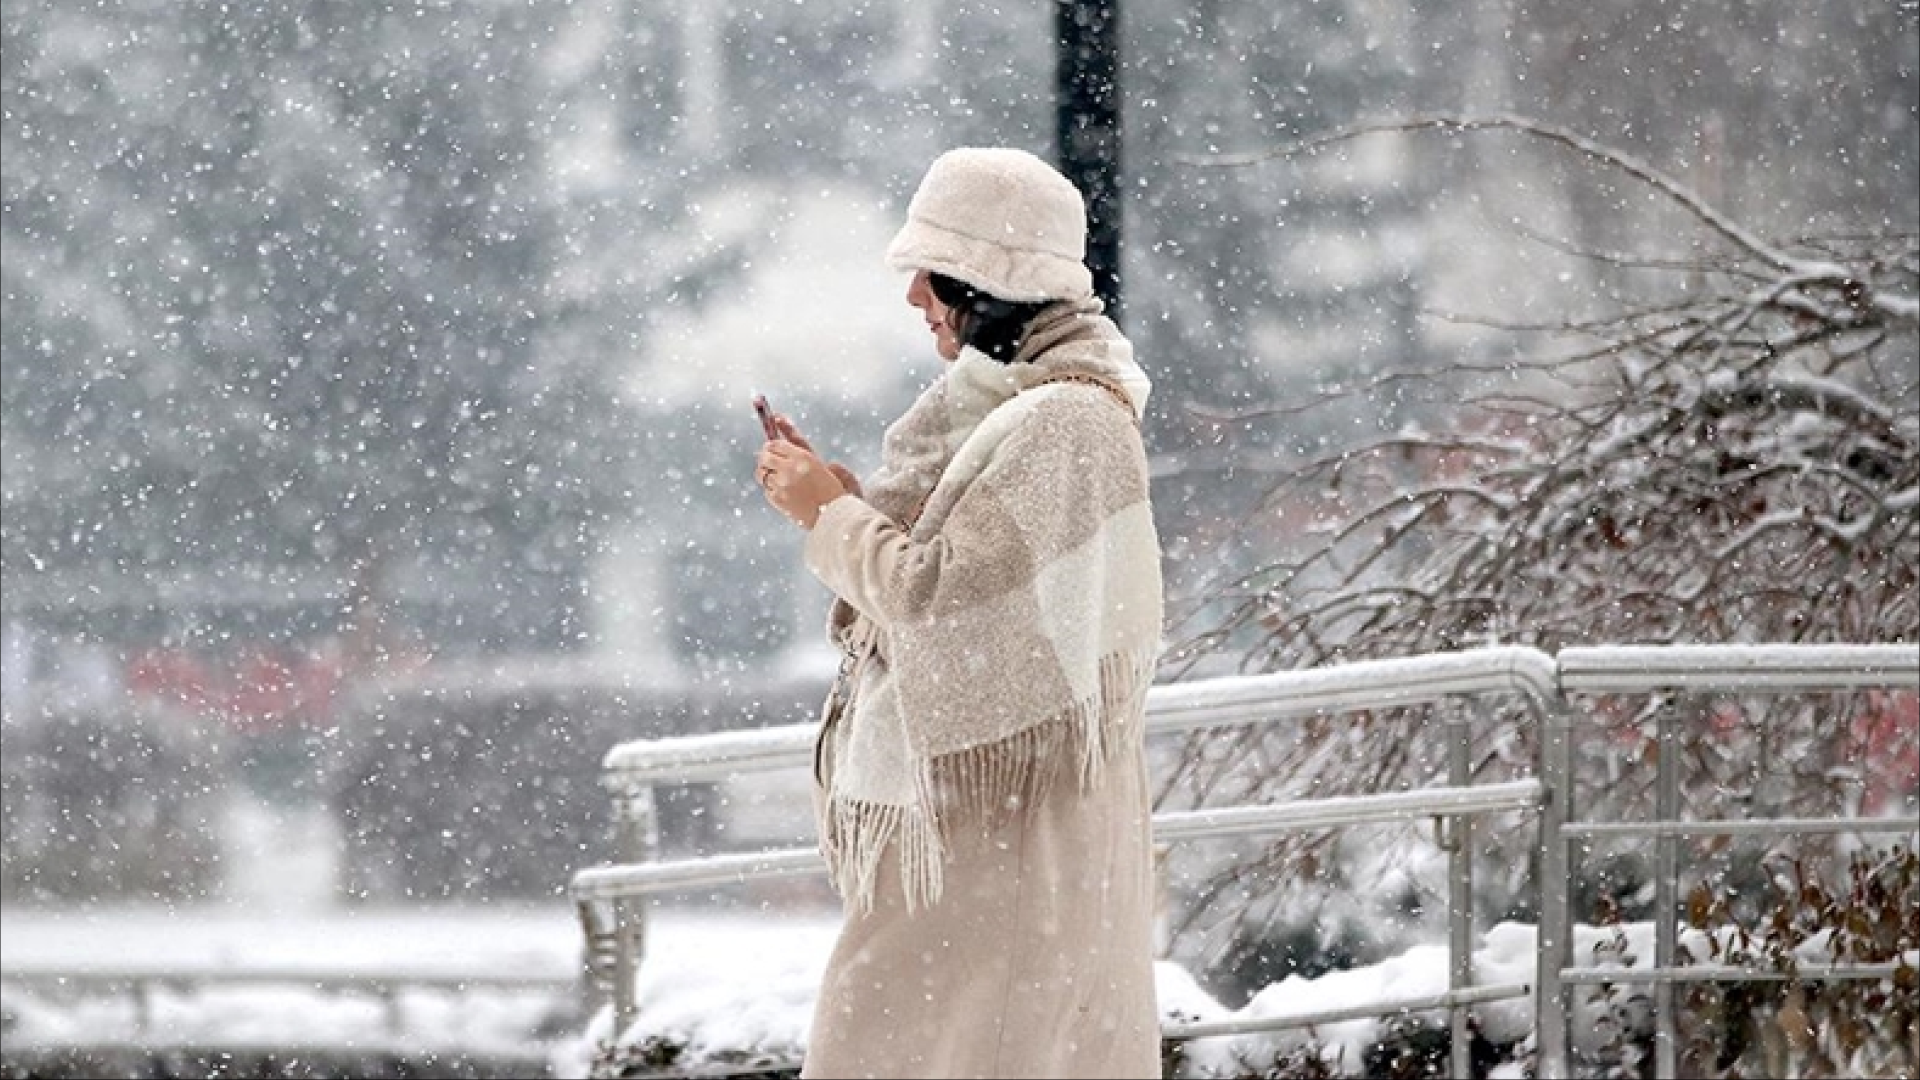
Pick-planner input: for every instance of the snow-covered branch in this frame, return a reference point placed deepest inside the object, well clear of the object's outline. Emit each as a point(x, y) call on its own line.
point(1732, 454)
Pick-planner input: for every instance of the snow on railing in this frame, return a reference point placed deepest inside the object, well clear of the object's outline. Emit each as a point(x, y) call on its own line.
point(1171, 707)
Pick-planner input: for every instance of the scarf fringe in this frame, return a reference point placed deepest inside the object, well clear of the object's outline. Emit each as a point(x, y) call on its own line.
point(985, 784)
point(858, 836)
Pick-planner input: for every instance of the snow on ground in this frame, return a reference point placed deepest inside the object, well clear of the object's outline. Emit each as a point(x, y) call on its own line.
point(738, 981)
point(759, 1003)
point(718, 982)
point(693, 952)
point(722, 982)
point(731, 980)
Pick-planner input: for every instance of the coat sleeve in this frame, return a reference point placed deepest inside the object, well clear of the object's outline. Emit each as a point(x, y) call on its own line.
point(872, 564)
point(1050, 473)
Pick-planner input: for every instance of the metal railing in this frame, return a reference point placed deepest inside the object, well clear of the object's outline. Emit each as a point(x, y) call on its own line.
point(1697, 669)
point(608, 897)
point(142, 982)
point(613, 920)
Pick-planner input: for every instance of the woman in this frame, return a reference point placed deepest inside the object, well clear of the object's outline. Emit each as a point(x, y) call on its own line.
point(980, 772)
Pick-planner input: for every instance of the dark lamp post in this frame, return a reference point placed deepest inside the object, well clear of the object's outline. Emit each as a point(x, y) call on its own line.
point(1087, 128)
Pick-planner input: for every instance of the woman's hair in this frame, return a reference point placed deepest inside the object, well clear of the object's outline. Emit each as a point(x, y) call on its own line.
point(988, 323)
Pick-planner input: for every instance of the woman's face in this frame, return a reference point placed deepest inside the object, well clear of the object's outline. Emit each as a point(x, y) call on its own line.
point(938, 315)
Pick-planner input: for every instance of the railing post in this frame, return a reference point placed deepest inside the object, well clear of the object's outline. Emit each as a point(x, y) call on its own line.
point(636, 824)
point(142, 1005)
point(389, 995)
point(1666, 872)
point(1554, 942)
point(1459, 832)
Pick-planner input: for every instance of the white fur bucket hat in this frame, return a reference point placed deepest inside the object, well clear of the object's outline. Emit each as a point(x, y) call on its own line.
point(1001, 220)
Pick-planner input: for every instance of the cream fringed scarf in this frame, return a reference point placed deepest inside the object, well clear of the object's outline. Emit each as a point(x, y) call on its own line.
point(1011, 634)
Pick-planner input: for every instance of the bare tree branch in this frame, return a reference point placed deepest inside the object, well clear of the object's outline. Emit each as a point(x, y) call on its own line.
point(1735, 457)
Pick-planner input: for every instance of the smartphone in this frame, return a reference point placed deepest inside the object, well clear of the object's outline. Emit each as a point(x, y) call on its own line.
point(766, 417)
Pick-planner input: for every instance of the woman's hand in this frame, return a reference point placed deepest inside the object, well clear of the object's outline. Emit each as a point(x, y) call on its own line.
point(796, 481)
point(792, 435)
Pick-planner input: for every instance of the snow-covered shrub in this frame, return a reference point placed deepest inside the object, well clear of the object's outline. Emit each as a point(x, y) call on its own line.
point(1813, 1027)
point(1725, 449)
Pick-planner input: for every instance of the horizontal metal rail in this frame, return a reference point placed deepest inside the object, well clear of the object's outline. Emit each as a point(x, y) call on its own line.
point(1349, 687)
point(141, 980)
point(614, 882)
point(1473, 995)
point(1173, 707)
point(1641, 668)
point(1757, 827)
point(1699, 973)
point(372, 981)
point(413, 1053)
point(641, 879)
point(1346, 810)
point(701, 758)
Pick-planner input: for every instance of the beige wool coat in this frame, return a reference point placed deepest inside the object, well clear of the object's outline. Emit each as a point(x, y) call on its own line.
point(984, 797)
point(1035, 962)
